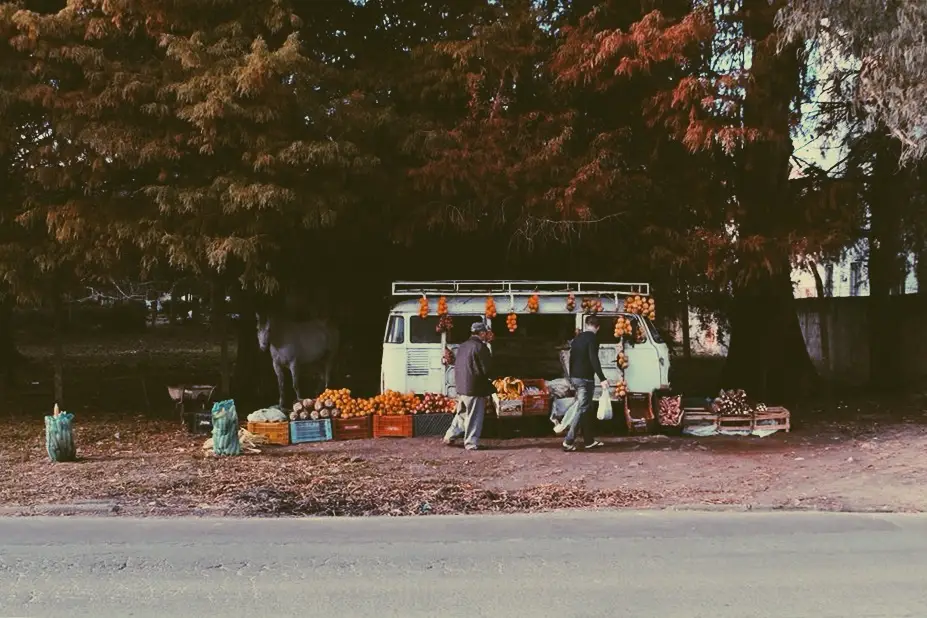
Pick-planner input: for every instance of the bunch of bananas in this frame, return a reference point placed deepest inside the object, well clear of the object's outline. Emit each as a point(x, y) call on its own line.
point(509, 388)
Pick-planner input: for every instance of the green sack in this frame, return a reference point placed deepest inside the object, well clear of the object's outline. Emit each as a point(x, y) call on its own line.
point(225, 428)
point(59, 437)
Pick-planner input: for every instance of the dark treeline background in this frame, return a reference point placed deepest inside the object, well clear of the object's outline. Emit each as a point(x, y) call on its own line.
point(269, 150)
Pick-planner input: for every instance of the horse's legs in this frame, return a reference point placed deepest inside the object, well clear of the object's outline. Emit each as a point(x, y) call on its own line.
point(281, 382)
point(294, 373)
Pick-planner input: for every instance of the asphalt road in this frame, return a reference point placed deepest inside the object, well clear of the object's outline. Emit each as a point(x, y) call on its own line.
point(654, 564)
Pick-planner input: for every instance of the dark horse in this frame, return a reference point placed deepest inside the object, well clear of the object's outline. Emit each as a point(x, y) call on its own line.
point(294, 344)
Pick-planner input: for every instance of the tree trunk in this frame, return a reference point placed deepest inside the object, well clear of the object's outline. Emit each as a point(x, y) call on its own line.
point(886, 196)
point(686, 335)
point(219, 328)
point(920, 267)
point(58, 310)
point(767, 354)
point(823, 324)
point(9, 355)
point(250, 379)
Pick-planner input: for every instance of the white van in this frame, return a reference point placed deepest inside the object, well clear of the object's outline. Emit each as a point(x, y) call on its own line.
point(413, 348)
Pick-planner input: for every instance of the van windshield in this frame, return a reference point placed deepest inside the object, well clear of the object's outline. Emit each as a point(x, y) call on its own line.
point(607, 327)
point(654, 332)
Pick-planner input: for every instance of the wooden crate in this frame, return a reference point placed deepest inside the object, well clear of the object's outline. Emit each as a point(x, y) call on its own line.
point(669, 410)
point(736, 422)
point(699, 417)
point(536, 405)
point(356, 428)
point(638, 412)
point(773, 418)
point(276, 433)
point(393, 426)
point(310, 431)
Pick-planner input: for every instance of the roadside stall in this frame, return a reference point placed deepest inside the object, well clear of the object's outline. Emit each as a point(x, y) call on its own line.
point(532, 324)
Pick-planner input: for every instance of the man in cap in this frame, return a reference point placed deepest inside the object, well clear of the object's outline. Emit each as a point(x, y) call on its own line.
point(471, 374)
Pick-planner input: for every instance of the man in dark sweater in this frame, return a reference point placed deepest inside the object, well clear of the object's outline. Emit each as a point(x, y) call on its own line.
point(584, 368)
point(471, 375)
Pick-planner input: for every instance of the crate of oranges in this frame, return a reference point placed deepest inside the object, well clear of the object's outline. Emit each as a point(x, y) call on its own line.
point(393, 414)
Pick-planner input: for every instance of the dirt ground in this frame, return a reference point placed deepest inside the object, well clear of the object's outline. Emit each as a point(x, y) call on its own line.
point(152, 467)
point(857, 455)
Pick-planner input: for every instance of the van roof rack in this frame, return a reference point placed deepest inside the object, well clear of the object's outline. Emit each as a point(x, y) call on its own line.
point(541, 288)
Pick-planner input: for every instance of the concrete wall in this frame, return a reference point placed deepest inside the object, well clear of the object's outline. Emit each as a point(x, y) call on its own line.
point(848, 327)
point(847, 323)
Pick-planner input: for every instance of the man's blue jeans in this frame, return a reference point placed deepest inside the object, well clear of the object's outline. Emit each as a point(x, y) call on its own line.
point(584, 420)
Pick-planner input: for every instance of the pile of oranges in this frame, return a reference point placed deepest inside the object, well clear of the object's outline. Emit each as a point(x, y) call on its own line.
point(389, 403)
point(442, 306)
point(423, 307)
point(340, 397)
point(357, 408)
point(511, 322)
point(393, 403)
point(490, 307)
point(534, 303)
point(622, 327)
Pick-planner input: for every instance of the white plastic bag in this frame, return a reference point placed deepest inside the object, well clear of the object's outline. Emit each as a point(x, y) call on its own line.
point(572, 410)
point(605, 406)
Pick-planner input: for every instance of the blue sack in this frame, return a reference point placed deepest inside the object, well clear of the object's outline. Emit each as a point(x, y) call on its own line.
point(59, 437)
point(225, 428)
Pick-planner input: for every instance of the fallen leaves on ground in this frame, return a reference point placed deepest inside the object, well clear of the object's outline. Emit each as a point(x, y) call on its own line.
point(152, 466)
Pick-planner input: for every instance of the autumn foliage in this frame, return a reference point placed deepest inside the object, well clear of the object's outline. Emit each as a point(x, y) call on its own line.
point(243, 142)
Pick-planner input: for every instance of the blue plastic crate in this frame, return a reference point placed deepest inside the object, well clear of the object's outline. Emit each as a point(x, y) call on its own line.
point(310, 431)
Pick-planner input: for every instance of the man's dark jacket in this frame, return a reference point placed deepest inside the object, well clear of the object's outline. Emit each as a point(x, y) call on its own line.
point(584, 357)
point(471, 370)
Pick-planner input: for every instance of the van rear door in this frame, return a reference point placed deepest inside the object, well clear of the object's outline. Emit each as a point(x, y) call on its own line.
point(424, 369)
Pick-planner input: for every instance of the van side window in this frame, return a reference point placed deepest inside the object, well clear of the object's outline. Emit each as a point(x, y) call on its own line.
point(396, 330)
point(424, 330)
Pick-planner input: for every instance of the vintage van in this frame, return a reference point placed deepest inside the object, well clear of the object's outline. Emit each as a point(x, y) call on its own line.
point(413, 347)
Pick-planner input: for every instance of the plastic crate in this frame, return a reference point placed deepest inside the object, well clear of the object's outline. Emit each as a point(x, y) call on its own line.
point(432, 424)
point(536, 405)
point(507, 407)
point(310, 431)
point(393, 426)
point(200, 422)
point(276, 433)
point(638, 412)
point(355, 428)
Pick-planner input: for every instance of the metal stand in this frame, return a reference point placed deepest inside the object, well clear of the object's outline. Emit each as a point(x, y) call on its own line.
point(195, 421)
